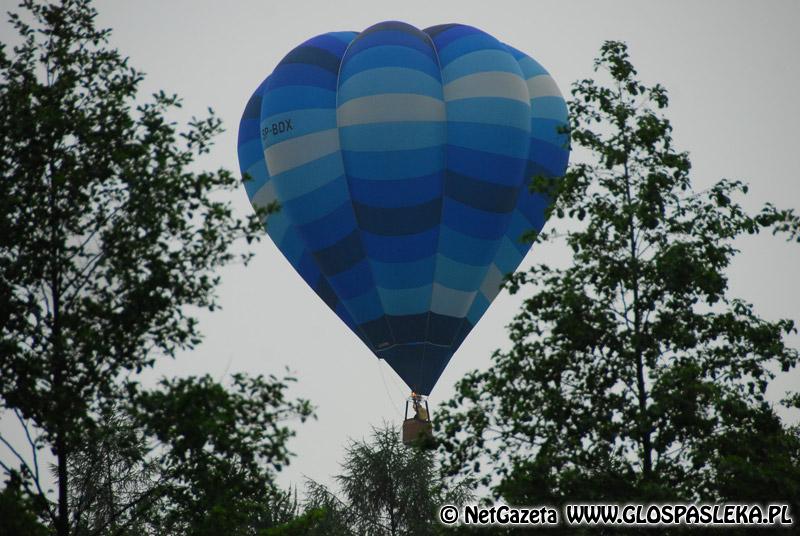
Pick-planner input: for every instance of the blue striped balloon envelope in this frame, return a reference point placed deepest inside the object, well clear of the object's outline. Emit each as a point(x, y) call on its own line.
point(401, 160)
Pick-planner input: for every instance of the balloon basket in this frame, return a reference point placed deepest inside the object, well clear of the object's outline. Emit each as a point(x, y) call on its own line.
point(417, 429)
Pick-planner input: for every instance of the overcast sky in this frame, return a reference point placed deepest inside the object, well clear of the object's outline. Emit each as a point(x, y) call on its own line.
point(731, 69)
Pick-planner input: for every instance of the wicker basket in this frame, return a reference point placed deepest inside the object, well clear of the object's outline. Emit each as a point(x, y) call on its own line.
point(416, 431)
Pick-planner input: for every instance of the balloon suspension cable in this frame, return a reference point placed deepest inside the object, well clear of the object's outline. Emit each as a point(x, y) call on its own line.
point(388, 394)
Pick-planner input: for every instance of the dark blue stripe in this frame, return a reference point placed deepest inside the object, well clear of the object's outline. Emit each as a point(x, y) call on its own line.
point(313, 56)
point(302, 74)
point(419, 365)
point(549, 157)
point(408, 328)
point(398, 221)
point(444, 37)
point(325, 291)
point(253, 108)
point(395, 193)
point(330, 228)
point(473, 222)
point(308, 269)
point(401, 248)
point(463, 331)
point(354, 281)
point(490, 167)
point(365, 42)
point(439, 28)
point(533, 206)
point(248, 130)
point(329, 44)
point(377, 331)
point(487, 196)
point(340, 256)
point(443, 329)
point(394, 25)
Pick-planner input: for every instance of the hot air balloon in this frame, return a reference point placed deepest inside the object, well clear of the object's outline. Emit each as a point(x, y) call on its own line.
point(401, 160)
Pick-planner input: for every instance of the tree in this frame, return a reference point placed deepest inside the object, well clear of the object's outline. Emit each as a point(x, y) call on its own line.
point(19, 513)
point(108, 243)
point(111, 480)
point(220, 449)
point(633, 373)
point(189, 457)
point(386, 489)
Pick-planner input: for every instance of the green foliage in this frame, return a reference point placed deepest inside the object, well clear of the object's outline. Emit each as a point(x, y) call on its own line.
point(110, 240)
point(111, 481)
point(219, 450)
point(191, 457)
point(386, 489)
point(634, 375)
point(19, 515)
point(309, 522)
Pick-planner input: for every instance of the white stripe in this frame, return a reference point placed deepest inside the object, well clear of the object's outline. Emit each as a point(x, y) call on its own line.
point(491, 283)
point(488, 84)
point(295, 152)
point(542, 86)
point(450, 302)
point(390, 107)
point(264, 196)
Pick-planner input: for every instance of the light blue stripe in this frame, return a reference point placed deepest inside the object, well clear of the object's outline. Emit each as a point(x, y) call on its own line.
point(395, 136)
point(365, 307)
point(286, 98)
point(308, 177)
point(258, 178)
point(479, 306)
point(489, 110)
point(318, 203)
point(530, 67)
point(495, 139)
point(518, 226)
point(389, 80)
point(548, 108)
point(277, 226)
point(288, 241)
point(469, 43)
point(464, 248)
point(458, 275)
point(250, 152)
point(507, 257)
point(394, 165)
point(480, 61)
point(387, 56)
point(344, 37)
point(548, 130)
point(399, 275)
point(405, 301)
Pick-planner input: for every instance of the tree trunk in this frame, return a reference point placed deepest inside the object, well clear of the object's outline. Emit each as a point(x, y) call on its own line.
point(644, 424)
point(62, 528)
point(58, 364)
